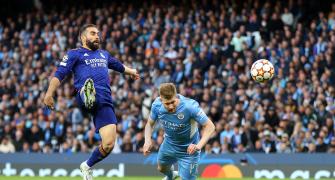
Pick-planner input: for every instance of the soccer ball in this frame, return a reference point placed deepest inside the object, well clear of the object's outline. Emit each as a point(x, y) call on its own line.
point(262, 70)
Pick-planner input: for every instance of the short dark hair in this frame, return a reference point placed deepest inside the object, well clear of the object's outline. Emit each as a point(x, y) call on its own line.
point(83, 29)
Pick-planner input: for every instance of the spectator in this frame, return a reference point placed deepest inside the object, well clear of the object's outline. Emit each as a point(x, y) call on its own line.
point(268, 144)
point(284, 145)
point(332, 146)
point(320, 145)
point(18, 143)
point(287, 17)
point(257, 148)
point(7, 146)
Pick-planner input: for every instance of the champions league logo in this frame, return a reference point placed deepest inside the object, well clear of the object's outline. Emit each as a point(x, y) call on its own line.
point(180, 116)
point(65, 58)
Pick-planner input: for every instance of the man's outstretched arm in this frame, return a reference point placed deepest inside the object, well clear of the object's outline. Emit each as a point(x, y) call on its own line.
point(132, 72)
point(48, 99)
point(116, 65)
point(147, 136)
point(209, 129)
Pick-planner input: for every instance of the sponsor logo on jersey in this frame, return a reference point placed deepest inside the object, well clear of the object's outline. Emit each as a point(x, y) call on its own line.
point(96, 62)
point(171, 125)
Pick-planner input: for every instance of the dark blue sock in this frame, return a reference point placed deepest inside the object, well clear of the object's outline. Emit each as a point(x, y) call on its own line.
point(97, 155)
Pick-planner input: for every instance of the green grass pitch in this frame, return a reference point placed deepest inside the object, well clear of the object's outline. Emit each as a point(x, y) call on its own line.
point(99, 178)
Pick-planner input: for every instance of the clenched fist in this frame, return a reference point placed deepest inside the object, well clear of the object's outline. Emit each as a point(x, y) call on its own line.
point(147, 148)
point(49, 101)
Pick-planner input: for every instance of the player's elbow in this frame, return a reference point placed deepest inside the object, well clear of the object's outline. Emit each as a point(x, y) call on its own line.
point(150, 124)
point(210, 127)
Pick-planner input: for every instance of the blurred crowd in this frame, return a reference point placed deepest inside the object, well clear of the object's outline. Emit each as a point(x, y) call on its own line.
point(205, 47)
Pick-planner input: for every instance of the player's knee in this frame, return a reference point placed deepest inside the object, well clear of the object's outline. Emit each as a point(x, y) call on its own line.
point(161, 169)
point(108, 146)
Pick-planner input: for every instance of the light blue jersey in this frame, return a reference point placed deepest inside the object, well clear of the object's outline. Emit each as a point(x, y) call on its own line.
point(181, 127)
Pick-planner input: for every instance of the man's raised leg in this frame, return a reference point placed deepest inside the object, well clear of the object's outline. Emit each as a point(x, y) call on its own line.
point(108, 135)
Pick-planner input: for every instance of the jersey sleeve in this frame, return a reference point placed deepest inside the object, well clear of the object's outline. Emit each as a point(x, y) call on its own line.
point(154, 110)
point(115, 64)
point(197, 113)
point(66, 65)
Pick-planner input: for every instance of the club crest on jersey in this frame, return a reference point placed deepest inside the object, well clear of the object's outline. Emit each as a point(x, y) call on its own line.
point(180, 116)
point(102, 55)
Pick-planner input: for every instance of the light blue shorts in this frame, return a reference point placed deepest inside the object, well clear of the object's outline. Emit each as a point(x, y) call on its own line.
point(187, 164)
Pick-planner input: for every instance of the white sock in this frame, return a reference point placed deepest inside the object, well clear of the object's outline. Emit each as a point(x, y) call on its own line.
point(85, 166)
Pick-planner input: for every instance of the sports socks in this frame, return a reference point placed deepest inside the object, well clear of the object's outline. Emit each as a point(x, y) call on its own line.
point(98, 154)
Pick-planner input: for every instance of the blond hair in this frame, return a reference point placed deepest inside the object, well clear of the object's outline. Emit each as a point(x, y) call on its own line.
point(167, 90)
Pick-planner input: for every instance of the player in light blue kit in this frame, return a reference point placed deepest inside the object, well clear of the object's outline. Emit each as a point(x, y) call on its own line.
point(90, 65)
point(179, 116)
